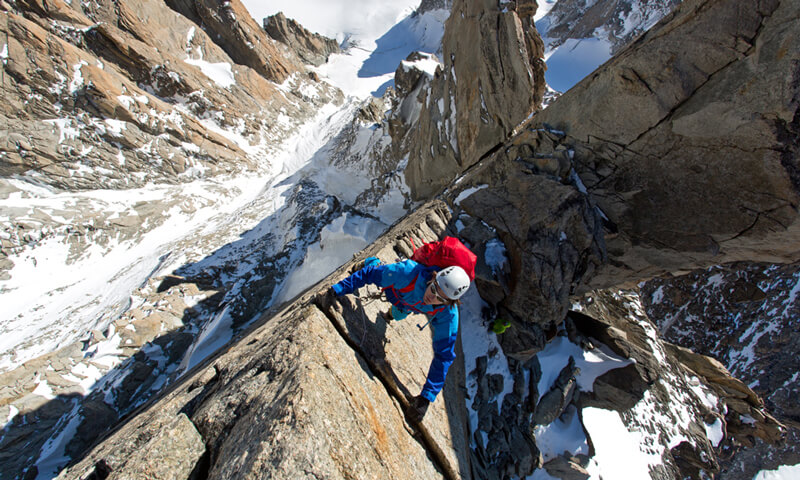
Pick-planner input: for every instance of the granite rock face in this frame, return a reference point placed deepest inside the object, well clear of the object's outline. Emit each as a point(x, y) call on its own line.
point(654, 138)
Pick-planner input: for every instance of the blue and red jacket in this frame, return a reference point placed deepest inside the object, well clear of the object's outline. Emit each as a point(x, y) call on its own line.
point(404, 284)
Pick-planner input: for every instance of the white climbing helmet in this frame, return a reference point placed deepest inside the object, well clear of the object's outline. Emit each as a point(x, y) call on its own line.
point(453, 282)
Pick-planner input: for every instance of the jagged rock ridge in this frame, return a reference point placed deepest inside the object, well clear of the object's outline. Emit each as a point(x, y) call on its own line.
point(477, 96)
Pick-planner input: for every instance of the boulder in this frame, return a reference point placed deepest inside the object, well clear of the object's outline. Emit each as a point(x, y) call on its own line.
point(409, 72)
point(566, 469)
point(552, 404)
point(173, 453)
point(549, 254)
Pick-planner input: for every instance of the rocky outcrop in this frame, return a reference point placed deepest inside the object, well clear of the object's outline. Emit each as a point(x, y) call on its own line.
point(659, 372)
point(96, 103)
point(310, 47)
point(428, 5)
point(477, 98)
point(552, 233)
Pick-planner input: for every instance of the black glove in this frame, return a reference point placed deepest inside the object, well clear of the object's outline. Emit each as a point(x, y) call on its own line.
point(325, 298)
point(418, 407)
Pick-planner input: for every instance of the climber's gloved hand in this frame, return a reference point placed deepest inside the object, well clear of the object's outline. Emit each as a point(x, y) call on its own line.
point(372, 262)
point(325, 298)
point(369, 262)
point(419, 405)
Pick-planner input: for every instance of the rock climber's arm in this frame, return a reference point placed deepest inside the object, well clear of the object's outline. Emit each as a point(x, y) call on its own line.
point(371, 274)
point(380, 275)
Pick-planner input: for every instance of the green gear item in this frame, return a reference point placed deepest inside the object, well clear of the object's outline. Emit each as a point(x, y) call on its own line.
point(398, 314)
point(500, 325)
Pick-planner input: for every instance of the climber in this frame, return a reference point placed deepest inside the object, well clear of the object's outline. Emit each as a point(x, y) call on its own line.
point(414, 287)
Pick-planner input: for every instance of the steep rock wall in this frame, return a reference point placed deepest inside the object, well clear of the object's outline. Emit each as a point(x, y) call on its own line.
point(664, 129)
point(685, 159)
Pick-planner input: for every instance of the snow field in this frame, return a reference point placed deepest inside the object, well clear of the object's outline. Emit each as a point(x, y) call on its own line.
point(617, 450)
point(340, 239)
point(220, 73)
point(784, 472)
